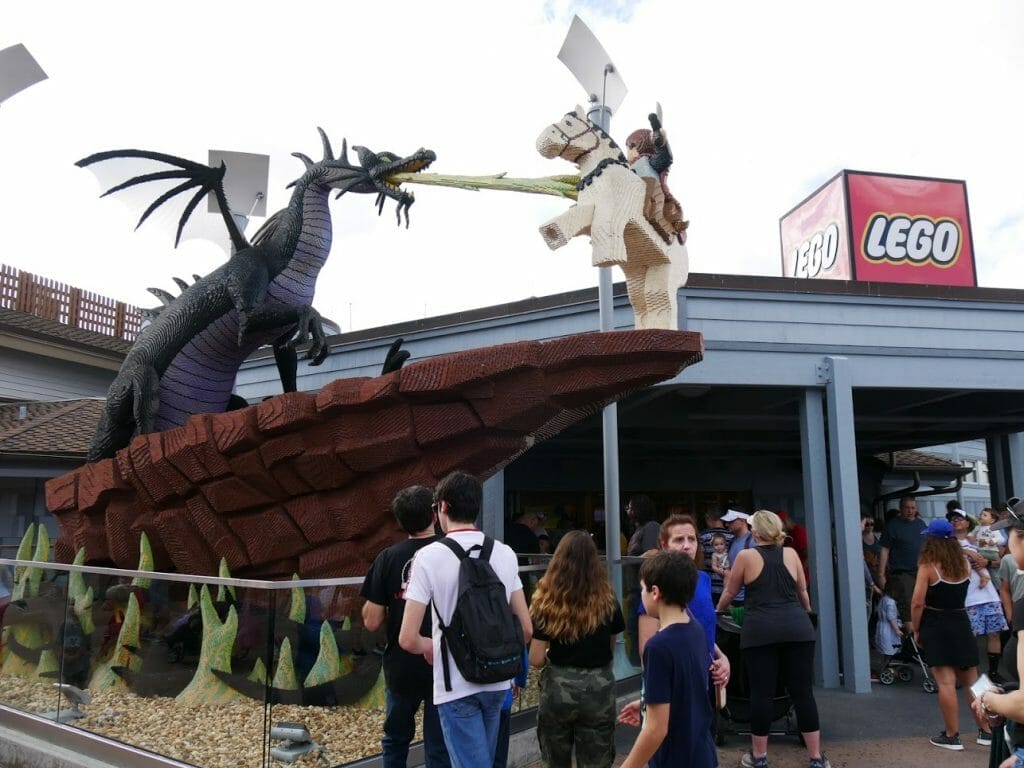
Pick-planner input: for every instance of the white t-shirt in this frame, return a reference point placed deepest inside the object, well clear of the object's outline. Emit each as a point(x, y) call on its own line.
point(435, 576)
point(976, 594)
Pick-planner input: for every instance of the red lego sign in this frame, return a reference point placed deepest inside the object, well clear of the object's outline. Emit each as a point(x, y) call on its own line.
point(883, 228)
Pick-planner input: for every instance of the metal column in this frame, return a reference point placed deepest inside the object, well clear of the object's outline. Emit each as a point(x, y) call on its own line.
point(1015, 464)
point(842, 449)
point(600, 115)
point(492, 516)
point(817, 517)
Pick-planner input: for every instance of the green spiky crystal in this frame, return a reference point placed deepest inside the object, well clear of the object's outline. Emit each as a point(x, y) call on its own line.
point(328, 665)
point(223, 591)
point(284, 676)
point(297, 608)
point(259, 672)
point(215, 653)
point(104, 677)
point(145, 563)
point(374, 697)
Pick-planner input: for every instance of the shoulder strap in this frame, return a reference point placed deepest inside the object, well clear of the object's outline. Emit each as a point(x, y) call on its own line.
point(454, 546)
point(486, 548)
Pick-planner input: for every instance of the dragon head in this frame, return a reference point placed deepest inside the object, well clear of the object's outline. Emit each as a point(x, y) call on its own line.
point(372, 175)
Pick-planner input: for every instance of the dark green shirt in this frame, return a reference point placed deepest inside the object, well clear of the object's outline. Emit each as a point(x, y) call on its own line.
point(903, 540)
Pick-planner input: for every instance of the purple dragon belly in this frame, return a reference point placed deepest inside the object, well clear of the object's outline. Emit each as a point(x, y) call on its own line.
point(201, 376)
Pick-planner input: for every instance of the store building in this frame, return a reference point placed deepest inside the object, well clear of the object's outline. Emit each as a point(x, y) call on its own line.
point(805, 387)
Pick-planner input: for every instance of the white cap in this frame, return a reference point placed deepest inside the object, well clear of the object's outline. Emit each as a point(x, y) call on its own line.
point(732, 514)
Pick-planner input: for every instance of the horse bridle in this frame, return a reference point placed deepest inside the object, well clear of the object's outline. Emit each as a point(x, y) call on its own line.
point(569, 139)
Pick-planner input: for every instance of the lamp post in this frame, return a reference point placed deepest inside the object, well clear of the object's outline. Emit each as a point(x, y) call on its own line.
point(586, 58)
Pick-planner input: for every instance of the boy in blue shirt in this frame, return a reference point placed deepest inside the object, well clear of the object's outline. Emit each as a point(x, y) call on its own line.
point(676, 728)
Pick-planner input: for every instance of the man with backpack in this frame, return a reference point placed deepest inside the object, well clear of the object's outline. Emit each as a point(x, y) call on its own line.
point(480, 621)
point(408, 679)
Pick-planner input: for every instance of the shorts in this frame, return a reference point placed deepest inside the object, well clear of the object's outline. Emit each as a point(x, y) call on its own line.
point(986, 618)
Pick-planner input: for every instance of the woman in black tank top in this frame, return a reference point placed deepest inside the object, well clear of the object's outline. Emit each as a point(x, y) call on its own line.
point(777, 638)
point(942, 628)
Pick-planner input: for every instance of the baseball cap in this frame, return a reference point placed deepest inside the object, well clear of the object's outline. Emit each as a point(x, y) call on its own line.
point(956, 513)
point(940, 528)
point(1015, 518)
point(732, 514)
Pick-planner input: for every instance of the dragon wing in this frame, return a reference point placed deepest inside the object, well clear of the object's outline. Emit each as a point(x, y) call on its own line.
point(177, 176)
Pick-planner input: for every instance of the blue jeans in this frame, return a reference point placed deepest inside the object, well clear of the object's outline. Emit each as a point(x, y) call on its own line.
point(470, 727)
point(400, 725)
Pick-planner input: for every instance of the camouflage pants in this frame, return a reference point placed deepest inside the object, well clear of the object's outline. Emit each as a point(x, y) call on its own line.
point(576, 708)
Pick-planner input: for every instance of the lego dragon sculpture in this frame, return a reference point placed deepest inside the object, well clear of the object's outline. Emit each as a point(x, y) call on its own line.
point(186, 360)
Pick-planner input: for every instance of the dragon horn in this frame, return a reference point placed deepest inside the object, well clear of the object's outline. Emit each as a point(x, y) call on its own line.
point(164, 296)
point(328, 153)
point(181, 283)
point(308, 163)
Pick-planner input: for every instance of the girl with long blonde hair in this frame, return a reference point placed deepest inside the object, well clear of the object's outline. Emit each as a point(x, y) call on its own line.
point(576, 618)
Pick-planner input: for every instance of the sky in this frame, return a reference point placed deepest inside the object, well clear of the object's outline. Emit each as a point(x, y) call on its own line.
point(762, 103)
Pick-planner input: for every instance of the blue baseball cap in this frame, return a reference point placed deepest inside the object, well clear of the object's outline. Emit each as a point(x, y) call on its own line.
point(940, 528)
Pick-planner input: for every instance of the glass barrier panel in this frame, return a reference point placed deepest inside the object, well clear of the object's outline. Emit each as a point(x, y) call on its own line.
point(327, 683)
point(628, 661)
point(167, 666)
point(31, 614)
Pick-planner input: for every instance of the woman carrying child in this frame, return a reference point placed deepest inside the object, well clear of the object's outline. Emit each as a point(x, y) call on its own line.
point(576, 618)
point(984, 608)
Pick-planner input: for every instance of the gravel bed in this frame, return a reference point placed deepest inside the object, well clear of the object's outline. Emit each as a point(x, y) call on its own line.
point(227, 736)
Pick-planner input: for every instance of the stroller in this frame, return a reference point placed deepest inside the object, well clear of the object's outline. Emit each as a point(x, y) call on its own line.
point(900, 666)
point(736, 711)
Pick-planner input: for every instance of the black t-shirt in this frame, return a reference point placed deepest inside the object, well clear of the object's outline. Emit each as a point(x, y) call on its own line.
point(590, 652)
point(522, 540)
point(385, 585)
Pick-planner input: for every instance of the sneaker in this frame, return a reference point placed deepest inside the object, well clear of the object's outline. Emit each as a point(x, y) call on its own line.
point(819, 762)
point(985, 738)
point(749, 761)
point(947, 742)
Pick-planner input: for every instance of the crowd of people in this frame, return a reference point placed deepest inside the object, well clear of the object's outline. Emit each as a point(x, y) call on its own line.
point(421, 592)
point(944, 586)
point(947, 587)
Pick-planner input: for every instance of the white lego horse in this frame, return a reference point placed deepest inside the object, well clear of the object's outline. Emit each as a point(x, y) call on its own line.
point(610, 208)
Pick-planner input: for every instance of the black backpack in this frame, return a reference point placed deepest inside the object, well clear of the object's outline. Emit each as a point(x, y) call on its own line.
point(484, 637)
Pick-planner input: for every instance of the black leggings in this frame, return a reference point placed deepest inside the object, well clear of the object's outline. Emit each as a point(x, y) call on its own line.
point(773, 667)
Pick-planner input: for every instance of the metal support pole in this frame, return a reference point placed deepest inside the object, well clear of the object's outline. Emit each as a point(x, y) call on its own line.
point(817, 516)
point(1015, 463)
point(492, 516)
point(846, 520)
point(601, 116)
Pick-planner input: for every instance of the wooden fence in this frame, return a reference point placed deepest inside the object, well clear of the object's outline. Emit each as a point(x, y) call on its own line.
point(40, 296)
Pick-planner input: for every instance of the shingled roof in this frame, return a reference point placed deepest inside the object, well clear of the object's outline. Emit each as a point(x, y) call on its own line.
point(920, 461)
point(63, 427)
point(25, 324)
